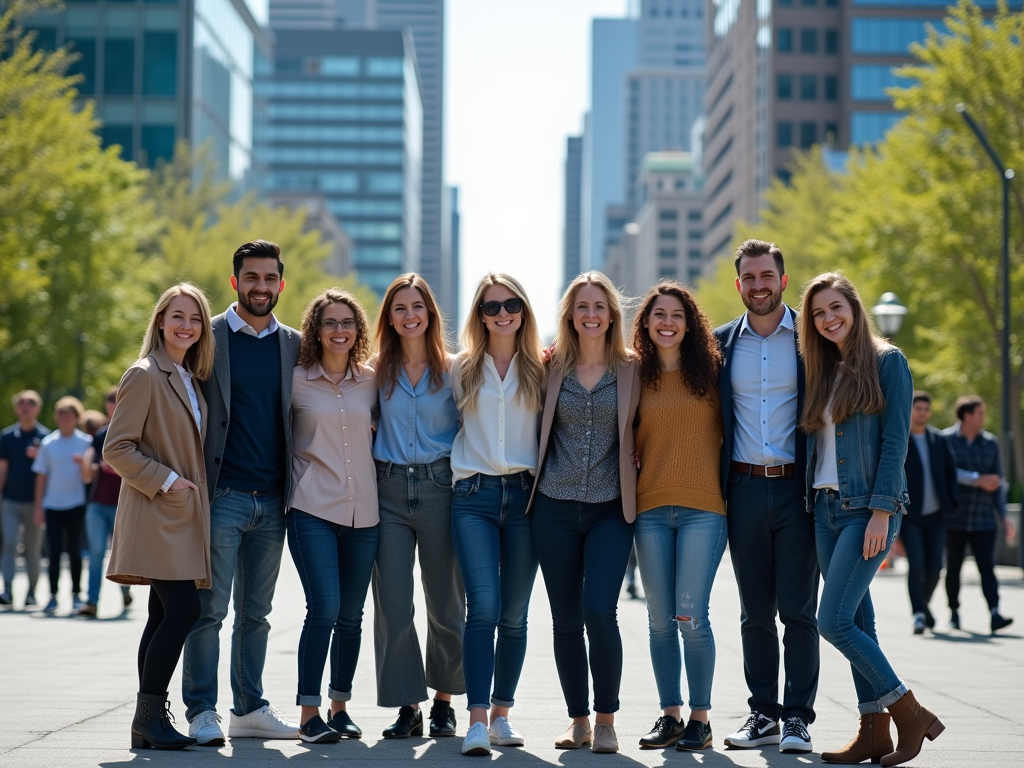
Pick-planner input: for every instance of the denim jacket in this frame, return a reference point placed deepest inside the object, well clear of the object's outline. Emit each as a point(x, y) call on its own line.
point(871, 448)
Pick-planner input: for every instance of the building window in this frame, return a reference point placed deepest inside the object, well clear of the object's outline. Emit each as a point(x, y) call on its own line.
point(868, 82)
point(890, 35)
point(667, 234)
point(784, 175)
point(808, 41)
point(666, 270)
point(832, 132)
point(784, 36)
point(784, 134)
point(157, 143)
point(384, 67)
point(808, 2)
point(831, 41)
point(159, 63)
point(694, 253)
point(808, 87)
point(695, 234)
point(808, 135)
point(666, 253)
point(693, 216)
point(119, 66)
point(46, 37)
point(85, 66)
point(784, 3)
point(784, 87)
point(118, 135)
point(869, 127)
point(831, 87)
point(668, 214)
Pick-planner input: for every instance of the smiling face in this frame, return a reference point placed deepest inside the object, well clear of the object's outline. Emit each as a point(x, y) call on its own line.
point(503, 323)
point(832, 315)
point(591, 315)
point(339, 330)
point(181, 325)
point(409, 314)
point(259, 285)
point(666, 324)
point(760, 284)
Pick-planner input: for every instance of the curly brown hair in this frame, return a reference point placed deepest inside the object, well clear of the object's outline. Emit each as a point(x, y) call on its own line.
point(311, 349)
point(700, 358)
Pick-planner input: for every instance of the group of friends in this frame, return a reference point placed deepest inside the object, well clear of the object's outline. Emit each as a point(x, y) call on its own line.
point(783, 434)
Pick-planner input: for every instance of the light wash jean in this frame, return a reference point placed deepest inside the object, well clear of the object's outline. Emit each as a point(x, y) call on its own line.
point(99, 527)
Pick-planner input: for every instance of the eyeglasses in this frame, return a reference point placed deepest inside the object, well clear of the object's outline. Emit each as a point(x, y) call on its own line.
point(332, 325)
point(493, 308)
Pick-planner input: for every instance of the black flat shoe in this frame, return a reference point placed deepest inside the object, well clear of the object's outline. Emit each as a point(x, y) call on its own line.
point(442, 719)
point(1000, 622)
point(666, 732)
point(316, 731)
point(929, 620)
point(696, 736)
point(342, 723)
point(409, 723)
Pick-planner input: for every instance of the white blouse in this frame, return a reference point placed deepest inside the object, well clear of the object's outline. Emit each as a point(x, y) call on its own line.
point(192, 397)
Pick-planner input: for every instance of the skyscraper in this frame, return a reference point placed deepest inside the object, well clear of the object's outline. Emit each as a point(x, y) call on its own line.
point(573, 198)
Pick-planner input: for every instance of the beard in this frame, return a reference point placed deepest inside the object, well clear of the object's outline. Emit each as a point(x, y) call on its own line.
point(763, 309)
point(246, 301)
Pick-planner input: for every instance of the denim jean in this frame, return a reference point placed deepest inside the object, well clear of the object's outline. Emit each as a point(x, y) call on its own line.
point(924, 539)
point(246, 542)
point(335, 563)
point(679, 550)
point(846, 616)
point(99, 526)
point(494, 544)
point(583, 550)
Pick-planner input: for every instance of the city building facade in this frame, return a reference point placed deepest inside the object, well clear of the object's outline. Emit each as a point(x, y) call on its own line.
point(571, 245)
point(318, 218)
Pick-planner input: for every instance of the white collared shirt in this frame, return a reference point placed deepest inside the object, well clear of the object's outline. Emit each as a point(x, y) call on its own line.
point(193, 399)
point(238, 324)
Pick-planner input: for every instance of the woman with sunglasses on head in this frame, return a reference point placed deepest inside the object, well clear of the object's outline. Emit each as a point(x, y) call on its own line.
point(162, 527)
point(497, 381)
point(857, 419)
point(417, 426)
point(585, 501)
point(680, 529)
point(332, 515)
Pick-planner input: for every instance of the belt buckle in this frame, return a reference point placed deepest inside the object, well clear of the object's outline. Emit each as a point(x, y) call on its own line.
point(780, 467)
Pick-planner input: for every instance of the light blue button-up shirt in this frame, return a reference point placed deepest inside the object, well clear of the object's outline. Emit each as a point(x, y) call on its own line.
point(764, 395)
point(416, 426)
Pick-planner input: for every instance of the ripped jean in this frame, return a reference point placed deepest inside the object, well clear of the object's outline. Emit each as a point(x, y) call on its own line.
point(678, 550)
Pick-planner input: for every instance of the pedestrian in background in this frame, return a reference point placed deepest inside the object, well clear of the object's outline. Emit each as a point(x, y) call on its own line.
point(497, 382)
point(681, 529)
point(332, 516)
point(162, 529)
point(415, 432)
point(857, 421)
point(584, 501)
point(19, 444)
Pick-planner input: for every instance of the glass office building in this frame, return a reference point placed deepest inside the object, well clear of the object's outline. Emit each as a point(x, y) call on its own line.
point(164, 70)
point(346, 122)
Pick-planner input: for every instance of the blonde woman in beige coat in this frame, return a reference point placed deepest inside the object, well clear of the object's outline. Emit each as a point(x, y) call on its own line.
point(162, 529)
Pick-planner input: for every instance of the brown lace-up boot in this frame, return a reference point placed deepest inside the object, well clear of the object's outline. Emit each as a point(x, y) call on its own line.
point(872, 742)
point(914, 723)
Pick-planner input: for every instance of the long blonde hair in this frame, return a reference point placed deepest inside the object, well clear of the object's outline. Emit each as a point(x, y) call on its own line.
point(859, 389)
point(528, 348)
point(388, 341)
point(567, 341)
point(199, 357)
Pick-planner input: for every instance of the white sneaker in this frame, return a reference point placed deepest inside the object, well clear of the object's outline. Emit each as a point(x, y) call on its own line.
point(264, 723)
point(795, 738)
point(502, 734)
point(205, 729)
point(477, 741)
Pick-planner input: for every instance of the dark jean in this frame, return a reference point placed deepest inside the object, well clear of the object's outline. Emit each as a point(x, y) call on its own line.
point(335, 563)
point(63, 533)
point(99, 527)
point(494, 544)
point(583, 551)
point(924, 538)
point(983, 547)
point(771, 542)
point(846, 616)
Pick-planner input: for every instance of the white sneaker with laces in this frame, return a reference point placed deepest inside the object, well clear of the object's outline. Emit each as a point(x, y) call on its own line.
point(265, 723)
point(757, 731)
point(502, 734)
point(795, 737)
point(205, 729)
point(477, 741)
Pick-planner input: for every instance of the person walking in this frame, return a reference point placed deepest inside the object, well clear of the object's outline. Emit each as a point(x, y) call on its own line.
point(248, 470)
point(857, 421)
point(19, 444)
point(981, 514)
point(932, 487)
point(497, 382)
point(681, 527)
point(584, 502)
point(332, 516)
point(771, 539)
point(162, 532)
point(415, 432)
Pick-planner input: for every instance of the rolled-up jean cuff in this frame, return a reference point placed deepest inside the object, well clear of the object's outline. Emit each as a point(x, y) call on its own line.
point(471, 707)
point(308, 701)
point(873, 707)
point(499, 703)
point(334, 695)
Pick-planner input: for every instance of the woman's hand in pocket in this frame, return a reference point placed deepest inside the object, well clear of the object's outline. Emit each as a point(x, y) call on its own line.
point(181, 484)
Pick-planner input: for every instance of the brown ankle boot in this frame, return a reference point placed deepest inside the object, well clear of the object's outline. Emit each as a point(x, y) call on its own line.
point(913, 724)
point(872, 742)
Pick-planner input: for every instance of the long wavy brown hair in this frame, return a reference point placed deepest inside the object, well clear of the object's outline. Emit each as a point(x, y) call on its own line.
point(859, 389)
point(310, 348)
point(388, 342)
point(700, 358)
point(567, 340)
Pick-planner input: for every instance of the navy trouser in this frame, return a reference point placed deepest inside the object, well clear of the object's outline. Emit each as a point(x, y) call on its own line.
point(924, 539)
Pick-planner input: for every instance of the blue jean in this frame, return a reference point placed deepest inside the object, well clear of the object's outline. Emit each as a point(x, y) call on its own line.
point(679, 550)
point(246, 542)
point(494, 545)
point(583, 550)
point(99, 526)
point(846, 616)
point(335, 563)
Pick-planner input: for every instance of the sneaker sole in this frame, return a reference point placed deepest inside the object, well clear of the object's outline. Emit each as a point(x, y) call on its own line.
point(476, 751)
point(216, 741)
point(511, 742)
point(792, 749)
point(763, 741)
point(323, 738)
point(253, 733)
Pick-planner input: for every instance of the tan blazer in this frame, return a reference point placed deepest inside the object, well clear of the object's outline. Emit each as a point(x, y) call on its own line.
point(152, 433)
point(628, 389)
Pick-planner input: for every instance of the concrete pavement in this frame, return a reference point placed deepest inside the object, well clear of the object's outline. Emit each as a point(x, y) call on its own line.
point(67, 687)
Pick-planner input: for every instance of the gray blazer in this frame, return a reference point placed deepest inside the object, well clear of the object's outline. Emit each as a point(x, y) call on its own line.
point(217, 391)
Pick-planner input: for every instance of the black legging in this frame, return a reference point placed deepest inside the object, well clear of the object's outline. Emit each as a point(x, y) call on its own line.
point(173, 611)
point(983, 547)
point(64, 534)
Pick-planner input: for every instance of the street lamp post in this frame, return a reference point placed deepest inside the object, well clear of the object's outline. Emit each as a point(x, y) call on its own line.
point(1005, 174)
point(889, 314)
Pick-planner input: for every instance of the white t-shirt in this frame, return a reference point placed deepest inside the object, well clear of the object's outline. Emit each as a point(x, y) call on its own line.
point(64, 487)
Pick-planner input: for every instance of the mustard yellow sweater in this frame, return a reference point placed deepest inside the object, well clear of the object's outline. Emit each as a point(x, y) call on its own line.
point(679, 440)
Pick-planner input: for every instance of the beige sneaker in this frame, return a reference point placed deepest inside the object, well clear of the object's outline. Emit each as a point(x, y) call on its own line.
point(605, 739)
point(574, 737)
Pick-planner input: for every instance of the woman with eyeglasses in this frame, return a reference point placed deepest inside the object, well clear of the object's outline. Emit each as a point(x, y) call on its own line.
point(332, 514)
point(497, 382)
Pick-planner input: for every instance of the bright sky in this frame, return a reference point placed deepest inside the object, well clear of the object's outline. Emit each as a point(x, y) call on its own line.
point(518, 84)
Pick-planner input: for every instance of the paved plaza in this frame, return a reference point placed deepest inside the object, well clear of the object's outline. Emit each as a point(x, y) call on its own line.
point(67, 688)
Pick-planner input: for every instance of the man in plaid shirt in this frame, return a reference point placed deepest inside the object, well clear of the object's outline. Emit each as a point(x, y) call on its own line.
point(981, 515)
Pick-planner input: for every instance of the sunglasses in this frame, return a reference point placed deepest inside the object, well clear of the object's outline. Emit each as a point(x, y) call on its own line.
point(493, 308)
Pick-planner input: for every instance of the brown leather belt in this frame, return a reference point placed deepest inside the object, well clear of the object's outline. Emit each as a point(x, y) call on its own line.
point(779, 470)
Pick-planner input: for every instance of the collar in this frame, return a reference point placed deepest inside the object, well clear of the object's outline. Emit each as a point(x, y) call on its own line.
point(786, 322)
point(316, 371)
point(238, 324)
